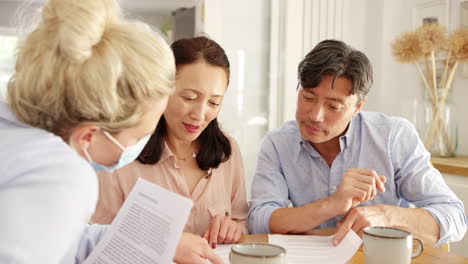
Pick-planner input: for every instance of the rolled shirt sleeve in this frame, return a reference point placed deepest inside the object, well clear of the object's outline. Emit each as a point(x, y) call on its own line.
point(422, 185)
point(269, 189)
point(89, 240)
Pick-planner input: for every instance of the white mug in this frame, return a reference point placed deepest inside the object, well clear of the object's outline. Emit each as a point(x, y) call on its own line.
point(257, 253)
point(388, 245)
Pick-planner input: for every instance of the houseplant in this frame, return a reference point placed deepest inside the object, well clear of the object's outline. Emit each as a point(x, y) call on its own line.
point(437, 56)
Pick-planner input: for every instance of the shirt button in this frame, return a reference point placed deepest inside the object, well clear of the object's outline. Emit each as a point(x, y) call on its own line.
point(333, 188)
point(226, 214)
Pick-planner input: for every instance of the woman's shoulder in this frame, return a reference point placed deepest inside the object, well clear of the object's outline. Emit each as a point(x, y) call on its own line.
point(136, 169)
point(235, 159)
point(231, 139)
point(33, 148)
point(30, 155)
point(235, 150)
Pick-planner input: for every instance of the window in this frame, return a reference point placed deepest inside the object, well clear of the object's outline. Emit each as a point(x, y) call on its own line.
point(8, 44)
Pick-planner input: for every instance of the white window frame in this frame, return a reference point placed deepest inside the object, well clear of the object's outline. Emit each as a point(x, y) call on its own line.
point(5, 31)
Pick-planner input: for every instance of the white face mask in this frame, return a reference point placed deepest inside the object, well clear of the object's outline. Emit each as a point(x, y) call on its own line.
point(129, 154)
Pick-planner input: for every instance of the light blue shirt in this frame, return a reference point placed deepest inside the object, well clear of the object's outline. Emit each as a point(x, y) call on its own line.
point(47, 195)
point(290, 170)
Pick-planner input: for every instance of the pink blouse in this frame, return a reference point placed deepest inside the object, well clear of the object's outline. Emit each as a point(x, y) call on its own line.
point(221, 191)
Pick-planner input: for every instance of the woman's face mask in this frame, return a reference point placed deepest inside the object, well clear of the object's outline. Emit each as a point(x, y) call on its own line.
point(129, 154)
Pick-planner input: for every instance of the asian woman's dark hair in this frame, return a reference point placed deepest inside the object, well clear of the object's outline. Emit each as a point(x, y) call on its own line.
point(215, 147)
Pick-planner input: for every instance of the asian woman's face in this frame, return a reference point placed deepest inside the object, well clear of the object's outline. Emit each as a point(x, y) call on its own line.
point(200, 89)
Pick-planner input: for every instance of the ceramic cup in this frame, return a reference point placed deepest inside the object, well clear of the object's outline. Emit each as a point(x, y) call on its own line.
point(257, 253)
point(387, 245)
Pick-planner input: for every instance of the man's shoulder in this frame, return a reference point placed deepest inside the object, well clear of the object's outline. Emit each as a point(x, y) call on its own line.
point(381, 120)
point(284, 138)
point(288, 130)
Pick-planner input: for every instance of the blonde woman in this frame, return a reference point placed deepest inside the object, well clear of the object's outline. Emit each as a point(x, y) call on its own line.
point(88, 88)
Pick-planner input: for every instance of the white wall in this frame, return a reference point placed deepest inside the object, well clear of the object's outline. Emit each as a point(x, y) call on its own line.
point(153, 18)
point(242, 28)
point(6, 17)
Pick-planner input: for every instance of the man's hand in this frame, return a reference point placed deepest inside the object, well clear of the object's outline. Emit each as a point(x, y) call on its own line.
point(194, 249)
point(359, 218)
point(222, 230)
point(357, 186)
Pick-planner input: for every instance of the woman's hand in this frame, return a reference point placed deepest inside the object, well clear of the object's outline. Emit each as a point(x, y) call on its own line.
point(195, 249)
point(222, 230)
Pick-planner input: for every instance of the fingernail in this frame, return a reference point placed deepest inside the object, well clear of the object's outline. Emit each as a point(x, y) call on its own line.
point(213, 245)
point(334, 242)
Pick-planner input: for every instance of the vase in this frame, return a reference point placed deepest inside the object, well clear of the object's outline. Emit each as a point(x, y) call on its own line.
point(436, 123)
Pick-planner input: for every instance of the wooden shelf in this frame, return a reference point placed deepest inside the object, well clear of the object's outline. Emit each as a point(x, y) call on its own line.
point(456, 166)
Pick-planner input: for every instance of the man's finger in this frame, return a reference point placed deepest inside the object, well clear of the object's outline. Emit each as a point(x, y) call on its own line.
point(378, 181)
point(359, 224)
point(345, 227)
point(383, 178)
point(360, 232)
point(367, 184)
point(359, 193)
point(374, 191)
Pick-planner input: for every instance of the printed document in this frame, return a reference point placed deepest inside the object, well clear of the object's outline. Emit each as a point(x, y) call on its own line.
point(317, 249)
point(147, 228)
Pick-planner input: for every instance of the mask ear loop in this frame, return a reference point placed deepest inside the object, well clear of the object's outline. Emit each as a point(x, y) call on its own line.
point(109, 136)
point(88, 157)
point(99, 166)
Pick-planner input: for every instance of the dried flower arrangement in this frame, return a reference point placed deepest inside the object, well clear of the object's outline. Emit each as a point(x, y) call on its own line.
point(425, 44)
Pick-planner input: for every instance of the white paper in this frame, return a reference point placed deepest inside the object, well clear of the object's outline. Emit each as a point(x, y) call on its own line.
point(317, 249)
point(147, 228)
point(223, 251)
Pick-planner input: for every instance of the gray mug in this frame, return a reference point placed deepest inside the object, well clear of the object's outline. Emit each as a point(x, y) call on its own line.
point(388, 245)
point(257, 253)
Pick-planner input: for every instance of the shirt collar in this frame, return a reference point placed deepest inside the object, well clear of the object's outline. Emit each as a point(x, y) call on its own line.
point(304, 144)
point(345, 140)
point(167, 153)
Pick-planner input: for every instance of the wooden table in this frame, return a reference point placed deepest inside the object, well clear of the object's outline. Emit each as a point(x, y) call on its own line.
point(457, 165)
point(430, 254)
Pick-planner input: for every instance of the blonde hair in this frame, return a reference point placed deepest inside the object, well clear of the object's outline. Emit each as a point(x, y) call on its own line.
point(84, 63)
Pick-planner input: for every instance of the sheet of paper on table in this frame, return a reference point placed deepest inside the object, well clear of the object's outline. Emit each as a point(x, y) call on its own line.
point(317, 249)
point(223, 251)
point(146, 229)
